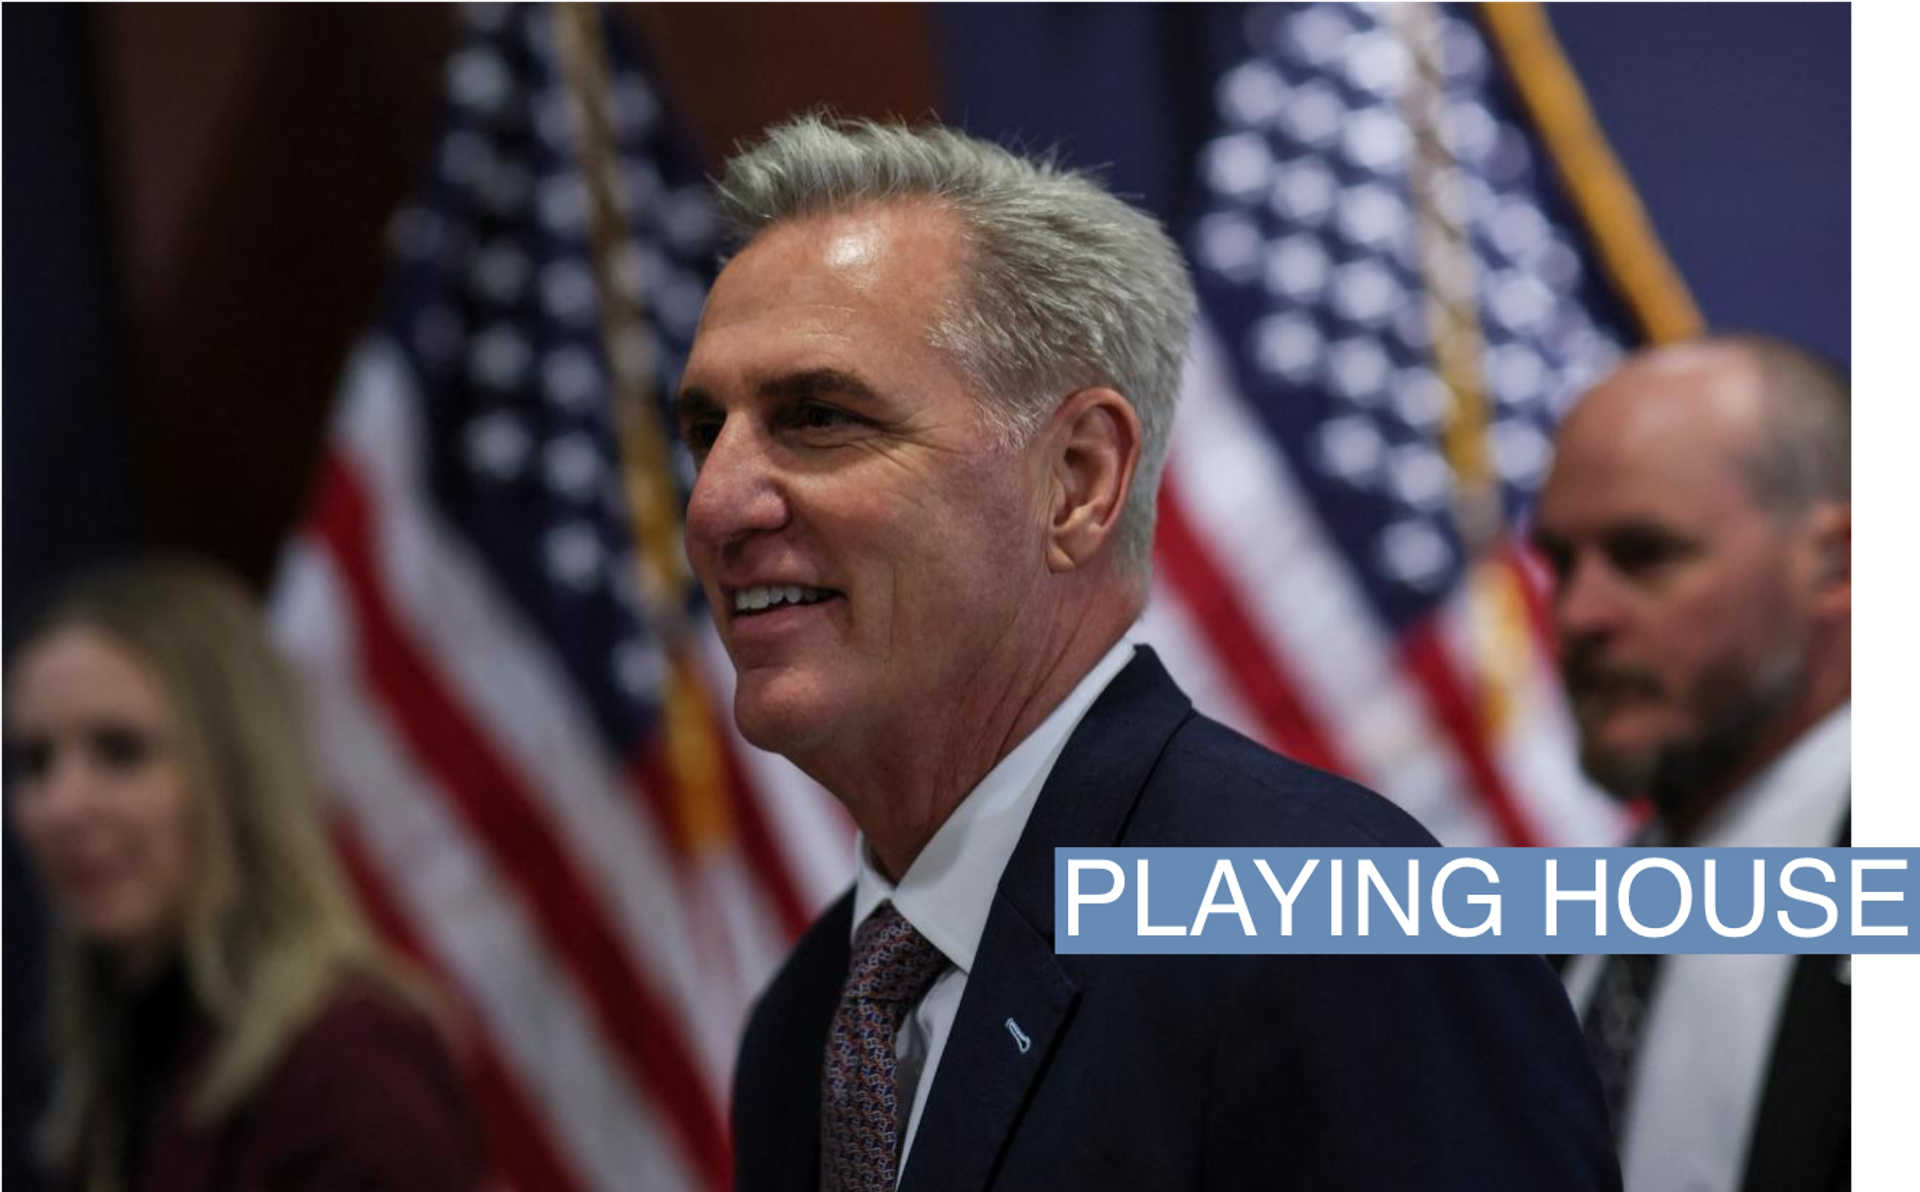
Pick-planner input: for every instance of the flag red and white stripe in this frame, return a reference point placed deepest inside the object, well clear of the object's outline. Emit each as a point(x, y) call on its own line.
point(605, 976)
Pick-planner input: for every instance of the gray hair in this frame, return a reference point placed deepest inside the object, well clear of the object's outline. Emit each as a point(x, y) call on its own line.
point(1067, 286)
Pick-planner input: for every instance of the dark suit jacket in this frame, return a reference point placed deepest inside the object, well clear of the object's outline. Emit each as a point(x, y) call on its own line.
point(1802, 1135)
point(1803, 1130)
point(1222, 1072)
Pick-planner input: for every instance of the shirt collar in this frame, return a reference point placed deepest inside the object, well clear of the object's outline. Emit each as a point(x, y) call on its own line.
point(948, 890)
point(1799, 799)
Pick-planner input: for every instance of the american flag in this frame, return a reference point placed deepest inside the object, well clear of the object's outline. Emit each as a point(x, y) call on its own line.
point(1399, 299)
point(492, 679)
point(1400, 295)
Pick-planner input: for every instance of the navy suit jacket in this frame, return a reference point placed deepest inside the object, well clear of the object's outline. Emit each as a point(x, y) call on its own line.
point(1222, 1072)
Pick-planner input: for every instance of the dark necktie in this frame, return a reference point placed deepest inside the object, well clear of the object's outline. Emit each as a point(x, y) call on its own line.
point(1616, 1021)
point(861, 1120)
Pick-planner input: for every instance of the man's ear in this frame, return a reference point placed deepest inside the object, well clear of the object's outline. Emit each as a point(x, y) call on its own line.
point(1830, 541)
point(1095, 448)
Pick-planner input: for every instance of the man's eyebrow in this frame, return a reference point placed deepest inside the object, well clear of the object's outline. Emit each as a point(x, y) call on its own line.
point(693, 402)
point(817, 383)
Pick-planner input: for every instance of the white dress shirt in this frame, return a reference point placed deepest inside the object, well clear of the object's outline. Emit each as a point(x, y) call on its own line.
point(1703, 1059)
point(948, 891)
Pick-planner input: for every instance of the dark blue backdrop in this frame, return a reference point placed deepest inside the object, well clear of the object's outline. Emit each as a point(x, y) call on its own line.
point(1732, 119)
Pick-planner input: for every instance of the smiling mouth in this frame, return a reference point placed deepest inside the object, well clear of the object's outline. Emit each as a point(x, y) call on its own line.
point(749, 602)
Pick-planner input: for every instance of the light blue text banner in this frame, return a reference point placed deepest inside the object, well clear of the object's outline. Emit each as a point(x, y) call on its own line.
point(1166, 901)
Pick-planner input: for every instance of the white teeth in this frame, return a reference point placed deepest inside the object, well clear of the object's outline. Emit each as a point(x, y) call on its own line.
point(755, 599)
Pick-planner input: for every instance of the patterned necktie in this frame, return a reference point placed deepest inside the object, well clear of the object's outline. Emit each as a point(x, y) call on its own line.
point(1616, 1022)
point(860, 1116)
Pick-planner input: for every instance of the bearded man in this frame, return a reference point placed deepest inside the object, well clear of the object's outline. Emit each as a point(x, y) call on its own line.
point(1698, 520)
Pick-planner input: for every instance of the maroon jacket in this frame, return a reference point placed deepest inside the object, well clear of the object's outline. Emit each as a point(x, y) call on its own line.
point(366, 1099)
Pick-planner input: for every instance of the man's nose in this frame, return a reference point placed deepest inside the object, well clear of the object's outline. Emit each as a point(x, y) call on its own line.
point(738, 491)
point(1589, 600)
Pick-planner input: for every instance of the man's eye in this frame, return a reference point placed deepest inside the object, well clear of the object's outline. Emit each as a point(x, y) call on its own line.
point(1643, 554)
point(700, 434)
point(815, 416)
point(1555, 556)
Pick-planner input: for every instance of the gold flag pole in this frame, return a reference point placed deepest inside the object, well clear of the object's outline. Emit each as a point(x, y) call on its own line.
point(693, 747)
point(1496, 609)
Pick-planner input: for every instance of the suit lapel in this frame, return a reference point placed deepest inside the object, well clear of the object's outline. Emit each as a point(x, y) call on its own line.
point(1018, 1005)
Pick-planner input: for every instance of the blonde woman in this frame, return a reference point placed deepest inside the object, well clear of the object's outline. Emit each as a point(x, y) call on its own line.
point(225, 1018)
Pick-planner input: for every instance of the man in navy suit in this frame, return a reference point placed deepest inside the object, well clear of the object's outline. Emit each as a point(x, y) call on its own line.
point(929, 400)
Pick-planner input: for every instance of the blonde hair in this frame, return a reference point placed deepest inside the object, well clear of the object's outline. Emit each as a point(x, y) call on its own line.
point(271, 929)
